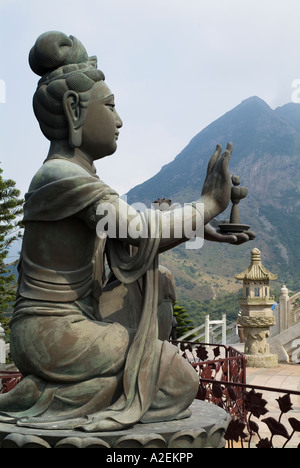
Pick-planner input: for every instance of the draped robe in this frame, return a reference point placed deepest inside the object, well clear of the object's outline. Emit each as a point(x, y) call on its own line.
point(79, 371)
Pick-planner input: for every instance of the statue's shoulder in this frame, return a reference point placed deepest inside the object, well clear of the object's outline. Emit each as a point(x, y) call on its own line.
point(54, 170)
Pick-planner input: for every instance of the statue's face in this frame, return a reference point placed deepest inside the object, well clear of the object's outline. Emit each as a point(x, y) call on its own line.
point(100, 129)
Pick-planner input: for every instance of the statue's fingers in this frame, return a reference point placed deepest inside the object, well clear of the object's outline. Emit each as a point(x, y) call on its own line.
point(214, 158)
point(224, 161)
point(229, 147)
point(229, 238)
point(225, 237)
point(251, 235)
point(242, 237)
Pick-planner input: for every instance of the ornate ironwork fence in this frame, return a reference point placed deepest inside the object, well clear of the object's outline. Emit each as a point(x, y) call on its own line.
point(249, 432)
point(222, 376)
point(218, 365)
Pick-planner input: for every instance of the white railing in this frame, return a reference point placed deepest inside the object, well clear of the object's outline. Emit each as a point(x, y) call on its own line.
point(2, 349)
point(288, 309)
point(212, 331)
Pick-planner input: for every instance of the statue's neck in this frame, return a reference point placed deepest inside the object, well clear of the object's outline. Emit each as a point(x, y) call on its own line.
point(62, 150)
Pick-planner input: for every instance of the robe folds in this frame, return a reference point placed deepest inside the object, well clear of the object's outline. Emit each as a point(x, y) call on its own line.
point(81, 372)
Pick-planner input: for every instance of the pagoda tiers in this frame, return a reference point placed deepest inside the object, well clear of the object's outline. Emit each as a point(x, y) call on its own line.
point(256, 278)
point(256, 312)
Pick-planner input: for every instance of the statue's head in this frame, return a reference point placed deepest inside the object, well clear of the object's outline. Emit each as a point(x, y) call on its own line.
point(72, 102)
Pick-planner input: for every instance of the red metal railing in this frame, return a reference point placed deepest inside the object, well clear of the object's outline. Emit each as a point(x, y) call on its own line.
point(216, 365)
point(249, 431)
point(8, 380)
point(222, 381)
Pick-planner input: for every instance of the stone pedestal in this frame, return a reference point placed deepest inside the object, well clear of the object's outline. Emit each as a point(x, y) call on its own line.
point(265, 360)
point(257, 350)
point(204, 429)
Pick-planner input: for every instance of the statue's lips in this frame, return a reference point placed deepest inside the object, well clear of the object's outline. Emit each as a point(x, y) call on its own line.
point(117, 135)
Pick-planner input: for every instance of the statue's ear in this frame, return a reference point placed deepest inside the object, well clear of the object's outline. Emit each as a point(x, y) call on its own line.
point(75, 116)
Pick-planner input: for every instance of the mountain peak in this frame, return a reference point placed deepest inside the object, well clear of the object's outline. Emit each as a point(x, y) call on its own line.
point(255, 102)
point(247, 113)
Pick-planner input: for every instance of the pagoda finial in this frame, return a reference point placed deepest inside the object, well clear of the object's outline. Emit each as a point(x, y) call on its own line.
point(256, 271)
point(255, 256)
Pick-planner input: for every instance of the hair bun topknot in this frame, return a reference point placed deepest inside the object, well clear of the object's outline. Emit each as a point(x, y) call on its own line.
point(55, 49)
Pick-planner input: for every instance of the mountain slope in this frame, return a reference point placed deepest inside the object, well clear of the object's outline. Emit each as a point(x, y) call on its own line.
point(256, 132)
point(266, 155)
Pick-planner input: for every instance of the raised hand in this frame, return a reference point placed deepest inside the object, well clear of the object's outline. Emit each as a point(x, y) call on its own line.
point(216, 189)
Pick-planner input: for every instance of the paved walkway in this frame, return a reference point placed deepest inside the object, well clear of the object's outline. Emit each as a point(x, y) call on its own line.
point(285, 377)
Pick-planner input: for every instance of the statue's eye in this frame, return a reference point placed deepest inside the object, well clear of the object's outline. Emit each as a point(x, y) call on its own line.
point(111, 106)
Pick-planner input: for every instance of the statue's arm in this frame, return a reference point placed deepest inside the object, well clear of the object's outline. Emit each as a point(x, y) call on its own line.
point(118, 219)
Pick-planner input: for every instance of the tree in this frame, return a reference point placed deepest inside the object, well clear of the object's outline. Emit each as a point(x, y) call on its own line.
point(10, 231)
point(183, 322)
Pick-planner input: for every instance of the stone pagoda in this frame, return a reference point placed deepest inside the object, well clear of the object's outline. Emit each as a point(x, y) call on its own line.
point(257, 315)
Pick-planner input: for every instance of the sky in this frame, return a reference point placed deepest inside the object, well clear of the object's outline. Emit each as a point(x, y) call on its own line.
point(174, 66)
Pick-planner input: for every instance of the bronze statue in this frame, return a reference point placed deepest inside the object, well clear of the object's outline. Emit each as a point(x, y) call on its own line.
point(85, 337)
